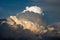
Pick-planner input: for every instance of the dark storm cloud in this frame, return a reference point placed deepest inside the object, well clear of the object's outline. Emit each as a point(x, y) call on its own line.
point(8, 33)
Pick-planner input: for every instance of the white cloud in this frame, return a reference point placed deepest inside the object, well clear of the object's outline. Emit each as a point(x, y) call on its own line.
point(34, 9)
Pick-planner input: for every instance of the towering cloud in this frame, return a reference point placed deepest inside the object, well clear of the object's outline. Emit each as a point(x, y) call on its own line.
point(30, 19)
point(29, 22)
point(28, 25)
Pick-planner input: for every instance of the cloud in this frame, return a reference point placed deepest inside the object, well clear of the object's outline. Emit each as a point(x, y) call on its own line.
point(30, 18)
point(15, 28)
point(54, 29)
point(20, 33)
point(34, 9)
point(34, 27)
point(29, 24)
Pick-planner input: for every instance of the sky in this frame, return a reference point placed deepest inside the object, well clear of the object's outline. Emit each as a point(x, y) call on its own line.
point(51, 8)
point(11, 7)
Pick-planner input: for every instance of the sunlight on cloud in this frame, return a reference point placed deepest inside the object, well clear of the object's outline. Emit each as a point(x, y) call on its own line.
point(26, 25)
point(34, 27)
point(34, 9)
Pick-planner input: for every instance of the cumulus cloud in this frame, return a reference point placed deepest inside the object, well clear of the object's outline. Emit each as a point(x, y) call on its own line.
point(34, 9)
point(13, 20)
point(29, 18)
point(33, 24)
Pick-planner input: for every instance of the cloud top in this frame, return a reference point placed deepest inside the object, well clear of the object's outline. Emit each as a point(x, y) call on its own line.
point(34, 9)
